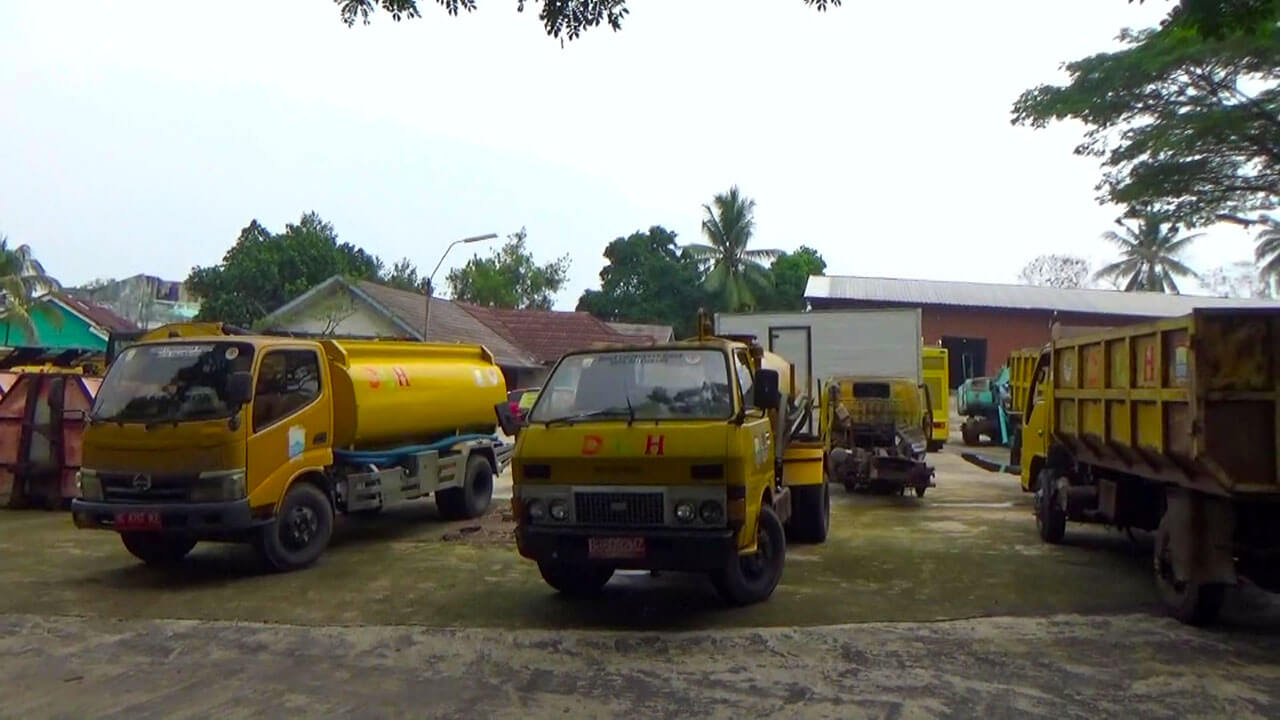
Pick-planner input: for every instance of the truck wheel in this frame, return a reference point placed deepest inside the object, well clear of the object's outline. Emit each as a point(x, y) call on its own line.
point(1189, 602)
point(920, 490)
point(810, 513)
point(575, 579)
point(748, 579)
point(300, 532)
point(472, 499)
point(1051, 519)
point(157, 549)
point(969, 433)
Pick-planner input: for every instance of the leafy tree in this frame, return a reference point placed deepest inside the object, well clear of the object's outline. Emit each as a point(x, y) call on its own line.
point(404, 276)
point(263, 271)
point(736, 274)
point(1268, 251)
point(509, 278)
point(1182, 122)
point(648, 279)
point(23, 282)
point(1237, 280)
point(560, 18)
point(1059, 271)
point(1215, 18)
point(790, 273)
point(1149, 254)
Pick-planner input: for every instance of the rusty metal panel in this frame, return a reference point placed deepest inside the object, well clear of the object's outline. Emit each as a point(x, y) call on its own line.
point(1119, 422)
point(1147, 425)
point(1093, 356)
point(1146, 361)
point(1117, 364)
point(1093, 418)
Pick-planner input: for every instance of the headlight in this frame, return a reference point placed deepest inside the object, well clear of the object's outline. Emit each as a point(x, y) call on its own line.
point(89, 485)
point(559, 510)
point(711, 512)
point(219, 486)
point(537, 511)
point(684, 511)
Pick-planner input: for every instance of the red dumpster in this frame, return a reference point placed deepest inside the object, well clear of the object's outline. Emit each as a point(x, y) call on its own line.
point(42, 420)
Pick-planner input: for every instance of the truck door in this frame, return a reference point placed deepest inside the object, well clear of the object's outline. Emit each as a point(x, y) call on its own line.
point(291, 422)
point(795, 345)
point(759, 432)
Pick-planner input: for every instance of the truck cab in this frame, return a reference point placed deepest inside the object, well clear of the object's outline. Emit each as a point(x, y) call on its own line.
point(663, 457)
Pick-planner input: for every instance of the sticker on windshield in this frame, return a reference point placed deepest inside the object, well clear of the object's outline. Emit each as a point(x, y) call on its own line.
point(179, 351)
point(297, 441)
point(232, 353)
point(693, 358)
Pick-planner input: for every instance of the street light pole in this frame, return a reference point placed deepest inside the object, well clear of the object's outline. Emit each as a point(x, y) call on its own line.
point(426, 315)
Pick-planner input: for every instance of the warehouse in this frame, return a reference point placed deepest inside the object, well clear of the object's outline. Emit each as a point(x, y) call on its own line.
point(980, 323)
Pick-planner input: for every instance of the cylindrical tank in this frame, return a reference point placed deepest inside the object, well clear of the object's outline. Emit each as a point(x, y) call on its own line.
point(400, 393)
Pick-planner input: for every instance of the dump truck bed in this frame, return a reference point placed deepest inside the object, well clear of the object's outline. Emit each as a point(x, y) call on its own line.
point(1191, 401)
point(1022, 375)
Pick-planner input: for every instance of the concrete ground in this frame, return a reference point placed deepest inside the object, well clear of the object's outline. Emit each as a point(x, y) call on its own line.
point(946, 606)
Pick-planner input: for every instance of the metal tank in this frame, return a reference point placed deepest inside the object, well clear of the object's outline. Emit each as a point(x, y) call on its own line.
point(390, 393)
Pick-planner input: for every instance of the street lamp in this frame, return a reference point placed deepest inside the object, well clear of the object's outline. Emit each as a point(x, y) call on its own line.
point(426, 316)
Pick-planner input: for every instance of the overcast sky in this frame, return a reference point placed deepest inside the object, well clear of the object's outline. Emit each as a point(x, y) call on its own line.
point(140, 137)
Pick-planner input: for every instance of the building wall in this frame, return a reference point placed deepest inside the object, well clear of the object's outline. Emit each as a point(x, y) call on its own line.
point(147, 301)
point(55, 328)
point(338, 313)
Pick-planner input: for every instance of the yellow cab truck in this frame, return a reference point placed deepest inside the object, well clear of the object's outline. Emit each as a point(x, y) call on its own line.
point(675, 456)
point(1168, 427)
point(877, 429)
point(937, 377)
point(199, 435)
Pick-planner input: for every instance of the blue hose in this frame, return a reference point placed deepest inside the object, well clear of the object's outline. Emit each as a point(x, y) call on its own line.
point(395, 455)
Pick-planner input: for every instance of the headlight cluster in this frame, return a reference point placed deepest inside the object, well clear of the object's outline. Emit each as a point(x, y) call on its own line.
point(557, 510)
point(89, 485)
point(711, 512)
point(219, 486)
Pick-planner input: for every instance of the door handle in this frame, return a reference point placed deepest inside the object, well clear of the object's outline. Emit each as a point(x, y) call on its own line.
point(319, 438)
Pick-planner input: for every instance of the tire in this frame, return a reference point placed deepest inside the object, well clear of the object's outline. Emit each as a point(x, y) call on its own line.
point(1051, 519)
point(810, 513)
point(1189, 602)
point(300, 532)
point(749, 579)
point(157, 549)
point(934, 446)
point(473, 498)
point(969, 433)
point(920, 491)
point(575, 580)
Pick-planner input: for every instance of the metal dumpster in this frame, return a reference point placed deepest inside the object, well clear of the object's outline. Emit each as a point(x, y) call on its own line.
point(42, 420)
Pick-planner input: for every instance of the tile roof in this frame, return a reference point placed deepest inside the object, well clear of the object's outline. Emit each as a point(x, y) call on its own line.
point(1021, 297)
point(105, 318)
point(548, 334)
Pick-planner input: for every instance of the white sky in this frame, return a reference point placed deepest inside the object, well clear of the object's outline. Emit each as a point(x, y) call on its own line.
point(141, 136)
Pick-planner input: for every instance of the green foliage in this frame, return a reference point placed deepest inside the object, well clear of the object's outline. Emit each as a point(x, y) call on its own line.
point(648, 279)
point(1184, 123)
point(1268, 251)
point(509, 278)
point(23, 282)
point(790, 274)
point(404, 276)
point(565, 19)
point(1216, 18)
point(1149, 254)
point(263, 271)
point(736, 275)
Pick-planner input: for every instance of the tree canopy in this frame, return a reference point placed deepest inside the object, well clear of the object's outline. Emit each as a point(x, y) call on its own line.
point(23, 281)
point(648, 279)
point(737, 274)
point(1184, 123)
point(1150, 251)
point(791, 273)
point(564, 19)
point(1059, 271)
point(509, 278)
point(264, 270)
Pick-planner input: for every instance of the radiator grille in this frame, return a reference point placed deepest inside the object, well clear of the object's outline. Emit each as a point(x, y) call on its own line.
point(619, 508)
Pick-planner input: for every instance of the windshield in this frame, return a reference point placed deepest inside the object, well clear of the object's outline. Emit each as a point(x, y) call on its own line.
point(171, 382)
point(658, 385)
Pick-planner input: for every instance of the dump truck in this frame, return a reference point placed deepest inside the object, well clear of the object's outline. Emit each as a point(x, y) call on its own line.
point(1168, 427)
point(937, 378)
point(877, 431)
point(684, 456)
point(260, 439)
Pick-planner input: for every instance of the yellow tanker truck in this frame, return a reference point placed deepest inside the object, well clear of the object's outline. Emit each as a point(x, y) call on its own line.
point(681, 456)
point(209, 436)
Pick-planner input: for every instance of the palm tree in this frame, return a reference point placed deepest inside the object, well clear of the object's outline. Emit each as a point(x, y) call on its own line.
point(1149, 254)
point(23, 282)
point(1268, 251)
point(737, 273)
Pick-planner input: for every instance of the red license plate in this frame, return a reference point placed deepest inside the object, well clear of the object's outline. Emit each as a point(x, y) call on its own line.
point(615, 548)
point(140, 520)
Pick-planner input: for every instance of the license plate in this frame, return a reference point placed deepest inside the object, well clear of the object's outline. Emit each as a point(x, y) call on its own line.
point(140, 520)
point(615, 548)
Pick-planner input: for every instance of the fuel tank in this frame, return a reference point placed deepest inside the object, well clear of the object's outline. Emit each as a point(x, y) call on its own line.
point(390, 393)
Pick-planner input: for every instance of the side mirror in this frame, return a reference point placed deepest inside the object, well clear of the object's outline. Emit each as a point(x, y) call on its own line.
point(507, 419)
point(240, 388)
point(766, 393)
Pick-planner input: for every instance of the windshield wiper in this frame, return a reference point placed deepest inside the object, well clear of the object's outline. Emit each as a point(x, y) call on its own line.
point(169, 418)
point(570, 419)
point(631, 412)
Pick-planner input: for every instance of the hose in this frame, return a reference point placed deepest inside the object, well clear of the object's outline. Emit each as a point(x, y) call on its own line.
point(395, 456)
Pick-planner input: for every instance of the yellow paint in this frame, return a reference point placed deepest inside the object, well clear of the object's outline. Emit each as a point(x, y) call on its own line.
point(937, 377)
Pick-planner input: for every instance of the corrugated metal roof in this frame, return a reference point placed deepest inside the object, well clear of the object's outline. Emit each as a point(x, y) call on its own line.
point(659, 333)
point(1018, 297)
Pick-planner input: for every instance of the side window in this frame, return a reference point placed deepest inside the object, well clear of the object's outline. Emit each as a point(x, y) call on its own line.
point(745, 381)
point(288, 380)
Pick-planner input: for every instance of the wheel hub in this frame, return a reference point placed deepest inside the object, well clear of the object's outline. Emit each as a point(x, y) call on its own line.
point(300, 527)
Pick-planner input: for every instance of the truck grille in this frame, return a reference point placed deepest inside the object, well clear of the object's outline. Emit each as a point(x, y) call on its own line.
point(121, 488)
point(619, 508)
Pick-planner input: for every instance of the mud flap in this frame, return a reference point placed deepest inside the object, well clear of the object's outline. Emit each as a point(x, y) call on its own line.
point(1201, 528)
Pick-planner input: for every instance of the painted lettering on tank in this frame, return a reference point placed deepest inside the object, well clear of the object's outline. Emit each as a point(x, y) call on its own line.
point(375, 380)
point(402, 377)
point(591, 444)
point(654, 444)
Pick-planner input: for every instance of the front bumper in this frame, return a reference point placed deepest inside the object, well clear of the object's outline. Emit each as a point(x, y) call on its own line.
point(686, 550)
point(209, 520)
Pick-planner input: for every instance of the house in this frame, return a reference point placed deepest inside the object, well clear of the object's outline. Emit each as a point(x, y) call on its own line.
point(66, 329)
point(525, 343)
point(981, 323)
point(145, 300)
